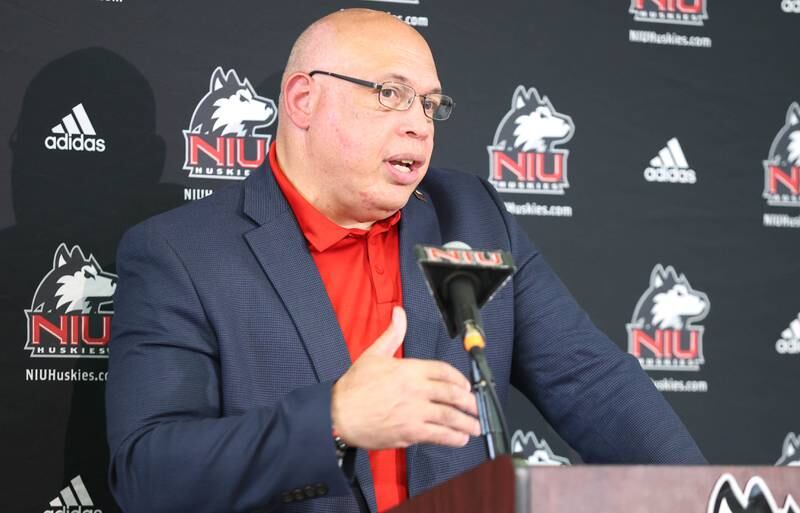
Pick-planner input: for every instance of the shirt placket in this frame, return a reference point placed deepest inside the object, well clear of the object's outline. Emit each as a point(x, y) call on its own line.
point(376, 253)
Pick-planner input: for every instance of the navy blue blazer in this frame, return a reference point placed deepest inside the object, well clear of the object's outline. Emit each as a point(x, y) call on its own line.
point(225, 346)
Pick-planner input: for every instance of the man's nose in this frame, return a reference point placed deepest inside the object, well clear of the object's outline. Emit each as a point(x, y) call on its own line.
point(415, 123)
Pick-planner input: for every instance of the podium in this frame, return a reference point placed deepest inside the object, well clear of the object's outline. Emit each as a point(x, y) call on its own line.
point(502, 486)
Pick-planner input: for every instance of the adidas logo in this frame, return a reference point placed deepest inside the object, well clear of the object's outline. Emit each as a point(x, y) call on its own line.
point(670, 165)
point(789, 343)
point(74, 498)
point(75, 133)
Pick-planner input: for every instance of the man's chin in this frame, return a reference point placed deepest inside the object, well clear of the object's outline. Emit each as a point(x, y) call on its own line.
point(399, 203)
point(379, 213)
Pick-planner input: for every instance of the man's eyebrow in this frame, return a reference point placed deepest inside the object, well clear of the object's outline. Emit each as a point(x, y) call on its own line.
point(402, 78)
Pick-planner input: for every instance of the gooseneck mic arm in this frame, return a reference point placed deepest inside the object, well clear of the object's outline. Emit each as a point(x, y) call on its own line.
point(465, 312)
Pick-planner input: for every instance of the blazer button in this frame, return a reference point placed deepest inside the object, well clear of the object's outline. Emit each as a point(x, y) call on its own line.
point(309, 491)
point(321, 490)
point(286, 497)
point(298, 494)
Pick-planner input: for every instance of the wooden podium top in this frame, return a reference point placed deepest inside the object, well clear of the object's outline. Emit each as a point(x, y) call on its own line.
point(501, 487)
point(656, 489)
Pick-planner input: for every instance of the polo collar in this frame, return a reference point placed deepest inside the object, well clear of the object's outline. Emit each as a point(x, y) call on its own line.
point(320, 232)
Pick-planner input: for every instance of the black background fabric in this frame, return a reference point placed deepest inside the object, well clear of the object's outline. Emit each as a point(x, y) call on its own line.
point(140, 68)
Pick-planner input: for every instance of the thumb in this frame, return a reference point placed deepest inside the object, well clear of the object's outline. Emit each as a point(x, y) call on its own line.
point(392, 338)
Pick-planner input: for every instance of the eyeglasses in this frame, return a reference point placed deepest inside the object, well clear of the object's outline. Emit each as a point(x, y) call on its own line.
point(397, 96)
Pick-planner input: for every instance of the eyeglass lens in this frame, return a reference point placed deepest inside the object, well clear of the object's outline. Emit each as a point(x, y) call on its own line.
point(400, 96)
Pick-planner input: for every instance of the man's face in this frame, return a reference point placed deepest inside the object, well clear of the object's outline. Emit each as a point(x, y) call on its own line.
point(369, 158)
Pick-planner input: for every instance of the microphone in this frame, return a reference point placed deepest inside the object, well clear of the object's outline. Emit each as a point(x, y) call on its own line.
point(462, 280)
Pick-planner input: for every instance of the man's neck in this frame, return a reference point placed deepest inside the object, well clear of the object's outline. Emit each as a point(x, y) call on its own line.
point(290, 166)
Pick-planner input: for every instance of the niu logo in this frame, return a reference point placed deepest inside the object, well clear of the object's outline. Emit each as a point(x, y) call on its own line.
point(678, 12)
point(71, 311)
point(523, 157)
point(661, 333)
point(223, 139)
point(782, 167)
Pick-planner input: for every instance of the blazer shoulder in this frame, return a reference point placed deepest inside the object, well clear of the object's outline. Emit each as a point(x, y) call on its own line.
point(204, 216)
point(452, 181)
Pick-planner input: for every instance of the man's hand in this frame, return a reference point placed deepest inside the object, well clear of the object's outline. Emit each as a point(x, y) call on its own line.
point(385, 402)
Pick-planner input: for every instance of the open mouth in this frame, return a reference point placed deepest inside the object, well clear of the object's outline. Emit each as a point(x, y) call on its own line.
point(403, 166)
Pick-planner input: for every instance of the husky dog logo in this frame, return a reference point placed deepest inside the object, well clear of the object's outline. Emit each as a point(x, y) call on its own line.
point(790, 454)
point(782, 167)
point(661, 334)
point(790, 6)
point(522, 157)
point(71, 312)
point(727, 497)
point(223, 140)
point(534, 451)
point(789, 343)
point(676, 12)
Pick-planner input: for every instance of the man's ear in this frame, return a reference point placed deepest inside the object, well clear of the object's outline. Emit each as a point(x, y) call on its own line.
point(297, 99)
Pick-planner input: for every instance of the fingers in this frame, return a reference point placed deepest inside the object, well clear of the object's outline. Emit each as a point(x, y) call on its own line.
point(442, 371)
point(444, 425)
point(392, 338)
point(452, 418)
point(453, 395)
point(441, 435)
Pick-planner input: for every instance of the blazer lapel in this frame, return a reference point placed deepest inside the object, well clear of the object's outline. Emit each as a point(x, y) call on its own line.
point(282, 251)
point(419, 225)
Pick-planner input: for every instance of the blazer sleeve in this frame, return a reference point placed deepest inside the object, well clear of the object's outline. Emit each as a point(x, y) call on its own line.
point(171, 447)
point(595, 395)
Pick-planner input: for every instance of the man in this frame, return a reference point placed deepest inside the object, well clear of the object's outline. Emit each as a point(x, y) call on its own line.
point(231, 376)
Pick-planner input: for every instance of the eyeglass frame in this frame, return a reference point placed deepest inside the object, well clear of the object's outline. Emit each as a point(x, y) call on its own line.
point(379, 87)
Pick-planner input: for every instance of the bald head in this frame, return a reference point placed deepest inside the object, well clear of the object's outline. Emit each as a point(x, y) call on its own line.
point(352, 157)
point(338, 37)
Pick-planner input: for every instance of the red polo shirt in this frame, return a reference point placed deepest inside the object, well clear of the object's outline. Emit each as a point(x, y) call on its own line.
point(361, 273)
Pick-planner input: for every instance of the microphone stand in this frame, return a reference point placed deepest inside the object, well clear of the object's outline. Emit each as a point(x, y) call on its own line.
point(490, 415)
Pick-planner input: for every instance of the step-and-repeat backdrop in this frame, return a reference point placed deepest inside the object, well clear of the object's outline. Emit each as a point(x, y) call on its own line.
point(651, 149)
